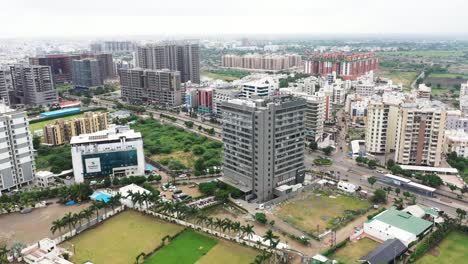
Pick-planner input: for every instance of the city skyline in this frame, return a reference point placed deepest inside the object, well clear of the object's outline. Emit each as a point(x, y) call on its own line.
point(110, 18)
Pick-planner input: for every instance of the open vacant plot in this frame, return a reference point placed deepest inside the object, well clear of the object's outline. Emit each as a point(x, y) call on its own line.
point(121, 238)
point(355, 250)
point(451, 250)
point(310, 210)
point(186, 248)
point(404, 77)
point(229, 253)
point(186, 158)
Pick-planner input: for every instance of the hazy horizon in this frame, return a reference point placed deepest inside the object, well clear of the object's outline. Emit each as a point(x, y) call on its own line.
point(120, 18)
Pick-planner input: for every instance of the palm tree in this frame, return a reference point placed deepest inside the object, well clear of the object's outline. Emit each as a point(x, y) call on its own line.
point(218, 223)
point(56, 225)
point(209, 222)
point(167, 208)
point(87, 213)
point(114, 201)
point(68, 219)
point(201, 219)
point(247, 230)
point(226, 224)
point(236, 226)
point(271, 238)
point(95, 207)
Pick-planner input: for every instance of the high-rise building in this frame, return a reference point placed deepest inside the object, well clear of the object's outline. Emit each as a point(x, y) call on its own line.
point(205, 100)
point(106, 64)
point(117, 152)
point(32, 85)
point(263, 144)
point(347, 66)
point(87, 73)
point(261, 62)
point(160, 87)
point(5, 82)
point(113, 46)
point(17, 161)
point(381, 125)
point(420, 133)
point(222, 95)
point(60, 65)
point(464, 98)
point(62, 131)
point(184, 58)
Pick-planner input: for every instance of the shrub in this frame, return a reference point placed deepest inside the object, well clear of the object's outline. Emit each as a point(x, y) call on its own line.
point(261, 218)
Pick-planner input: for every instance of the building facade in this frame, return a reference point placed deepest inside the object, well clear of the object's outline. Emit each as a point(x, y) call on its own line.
point(456, 141)
point(17, 166)
point(184, 58)
point(222, 95)
point(259, 88)
point(347, 66)
point(420, 133)
point(116, 152)
point(60, 65)
point(62, 131)
point(261, 62)
point(205, 100)
point(263, 144)
point(5, 86)
point(159, 87)
point(87, 73)
point(32, 85)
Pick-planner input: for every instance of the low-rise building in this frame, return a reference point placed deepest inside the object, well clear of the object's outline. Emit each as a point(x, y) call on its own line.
point(423, 92)
point(45, 179)
point(456, 141)
point(45, 251)
point(117, 152)
point(393, 223)
point(260, 88)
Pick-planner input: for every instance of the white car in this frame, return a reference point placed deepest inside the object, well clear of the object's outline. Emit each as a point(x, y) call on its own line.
point(380, 171)
point(436, 209)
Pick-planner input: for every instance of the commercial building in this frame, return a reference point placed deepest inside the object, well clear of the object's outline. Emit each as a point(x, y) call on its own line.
point(420, 133)
point(456, 141)
point(184, 57)
point(263, 144)
point(205, 100)
point(456, 120)
point(60, 65)
point(16, 159)
point(347, 66)
point(259, 88)
point(261, 62)
point(117, 152)
point(365, 89)
point(87, 73)
point(464, 98)
point(62, 131)
point(32, 85)
point(159, 87)
point(223, 95)
point(401, 225)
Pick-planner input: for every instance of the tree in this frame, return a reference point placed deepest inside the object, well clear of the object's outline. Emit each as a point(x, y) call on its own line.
point(432, 180)
point(397, 191)
point(261, 218)
point(452, 187)
point(56, 225)
point(3, 254)
point(380, 196)
point(461, 214)
point(247, 230)
point(372, 164)
point(188, 124)
point(372, 180)
point(86, 101)
point(390, 163)
point(36, 142)
point(272, 239)
point(313, 146)
point(328, 150)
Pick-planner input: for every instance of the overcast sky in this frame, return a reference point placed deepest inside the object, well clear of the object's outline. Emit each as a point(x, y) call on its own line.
point(70, 18)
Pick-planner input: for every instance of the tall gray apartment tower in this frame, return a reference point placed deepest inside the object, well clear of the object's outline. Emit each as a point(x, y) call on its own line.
point(176, 57)
point(16, 148)
point(32, 85)
point(5, 82)
point(263, 144)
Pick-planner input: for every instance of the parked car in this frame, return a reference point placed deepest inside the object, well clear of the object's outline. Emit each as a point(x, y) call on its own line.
point(380, 171)
point(177, 191)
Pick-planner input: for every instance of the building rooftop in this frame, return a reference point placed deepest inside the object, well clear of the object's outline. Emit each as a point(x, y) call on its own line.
point(386, 252)
point(403, 220)
point(112, 133)
point(433, 169)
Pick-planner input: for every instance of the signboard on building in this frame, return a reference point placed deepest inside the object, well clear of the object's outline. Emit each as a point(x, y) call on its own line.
point(93, 165)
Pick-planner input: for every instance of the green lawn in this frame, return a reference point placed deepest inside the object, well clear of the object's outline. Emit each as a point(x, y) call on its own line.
point(229, 253)
point(120, 239)
point(309, 210)
point(404, 77)
point(355, 250)
point(453, 249)
point(449, 75)
point(42, 124)
point(225, 74)
point(187, 248)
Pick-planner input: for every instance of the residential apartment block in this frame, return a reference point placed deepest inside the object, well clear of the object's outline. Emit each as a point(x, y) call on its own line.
point(5, 86)
point(263, 144)
point(456, 141)
point(32, 85)
point(420, 133)
point(261, 62)
point(16, 159)
point(159, 87)
point(62, 131)
point(184, 57)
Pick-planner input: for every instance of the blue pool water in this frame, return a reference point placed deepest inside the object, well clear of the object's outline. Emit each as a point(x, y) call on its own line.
point(99, 196)
point(149, 167)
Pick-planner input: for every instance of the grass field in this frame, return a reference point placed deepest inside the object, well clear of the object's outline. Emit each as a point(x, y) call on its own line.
point(355, 250)
point(309, 210)
point(228, 253)
point(41, 125)
point(224, 74)
point(448, 75)
point(404, 77)
point(186, 158)
point(356, 133)
point(453, 249)
point(186, 248)
point(121, 238)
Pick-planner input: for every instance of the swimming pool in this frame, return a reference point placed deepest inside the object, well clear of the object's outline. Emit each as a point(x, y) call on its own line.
point(149, 167)
point(100, 196)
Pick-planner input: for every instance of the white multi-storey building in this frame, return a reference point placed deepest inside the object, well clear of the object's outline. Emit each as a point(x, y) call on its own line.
point(464, 98)
point(261, 88)
point(222, 95)
point(116, 152)
point(365, 89)
point(16, 150)
point(456, 120)
point(456, 141)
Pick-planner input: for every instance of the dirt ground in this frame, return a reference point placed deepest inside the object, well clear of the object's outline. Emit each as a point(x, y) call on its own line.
point(194, 192)
point(29, 228)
